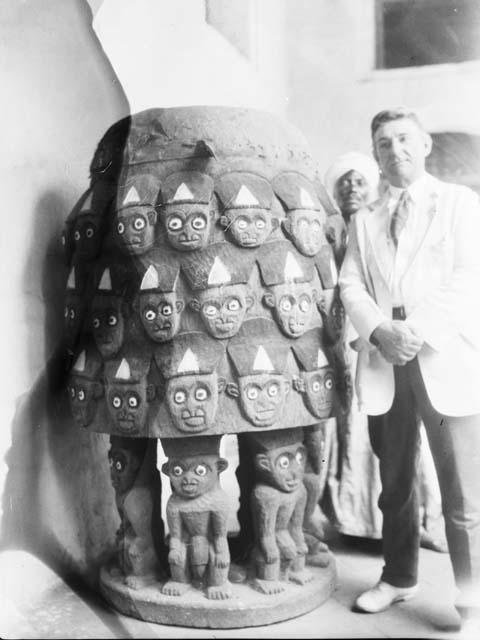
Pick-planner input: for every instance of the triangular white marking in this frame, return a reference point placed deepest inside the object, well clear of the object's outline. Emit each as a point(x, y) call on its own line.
point(123, 371)
point(183, 193)
point(87, 205)
point(292, 269)
point(333, 271)
point(245, 198)
point(189, 362)
point(80, 362)
point(71, 279)
point(150, 279)
point(262, 361)
point(321, 360)
point(219, 274)
point(105, 281)
point(132, 196)
point(306, 199)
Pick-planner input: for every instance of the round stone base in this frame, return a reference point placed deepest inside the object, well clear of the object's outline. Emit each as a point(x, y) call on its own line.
point(246, 608)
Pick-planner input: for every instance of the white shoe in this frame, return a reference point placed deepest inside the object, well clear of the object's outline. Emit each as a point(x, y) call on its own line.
point(382, 595)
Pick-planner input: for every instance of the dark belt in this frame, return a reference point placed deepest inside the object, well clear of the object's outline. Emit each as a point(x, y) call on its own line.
point(398, 313)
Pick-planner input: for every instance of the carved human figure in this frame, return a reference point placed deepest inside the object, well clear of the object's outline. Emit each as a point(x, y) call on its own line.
point(136, 216)
point(192, 388)
point(290, 293)
point(197, 515)
point(305, 217)
point(85, 387)
point(278, 504)
point(140, 537)
point(259, 358)
point(158, 304)
point(129, 392)
point(84, 231)
point(246, 200)
point(187, 209)
point(108, 315)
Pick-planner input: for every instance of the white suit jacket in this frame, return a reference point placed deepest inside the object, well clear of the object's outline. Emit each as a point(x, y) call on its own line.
point(441, 293)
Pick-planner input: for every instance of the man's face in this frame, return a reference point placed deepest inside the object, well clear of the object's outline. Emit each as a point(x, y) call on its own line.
point(135, 229)
point(123, 469)
point(86, 237)
point(223, 309)
point(187, 225)
point(307, 230)
point(319, 391)
point(287, 465)
point(351, 193)
point(192, 476)
point(400, 148)
point(262, 397)
point(160, 315)
point(294, 306)
point(192, 401)
point(128, 406)
point(108, 324)
point(83, 400)
point(248, 227)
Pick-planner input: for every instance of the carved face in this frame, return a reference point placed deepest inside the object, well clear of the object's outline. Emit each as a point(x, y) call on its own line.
point(248, 227)
point(108, 324)
point(223, 309)
point(73, 314)
point(307, 230)
point(187, 225)
point(124, 467)
point(319, 391)
point(83, 395)
point(192, 476)
point(127, 403)
point(262, 397)
point(135, 229)
point(86, 236)
point(283, 467)
point(160, 315)
point(192, 401)
point(293, 306)
point(333, 315)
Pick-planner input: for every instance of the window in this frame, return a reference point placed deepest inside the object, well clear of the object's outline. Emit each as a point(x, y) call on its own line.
point(412, 33)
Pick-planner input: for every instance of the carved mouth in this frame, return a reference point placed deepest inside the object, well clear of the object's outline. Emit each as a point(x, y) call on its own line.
point(166, 327)
point(189, 489)
point(249, 242)
point(126, 425)
point(224, 326)
point(189, 243)
point(265, 416)
point(291, 484)
point(194, 421)
point(296, 328)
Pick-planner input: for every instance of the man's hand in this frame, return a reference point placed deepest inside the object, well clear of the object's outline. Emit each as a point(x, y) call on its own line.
point(398, 343)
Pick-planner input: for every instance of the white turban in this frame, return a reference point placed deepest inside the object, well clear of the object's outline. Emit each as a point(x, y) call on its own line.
point(353, 161)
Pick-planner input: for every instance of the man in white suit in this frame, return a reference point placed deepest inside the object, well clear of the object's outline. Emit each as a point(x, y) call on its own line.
point(410, 283)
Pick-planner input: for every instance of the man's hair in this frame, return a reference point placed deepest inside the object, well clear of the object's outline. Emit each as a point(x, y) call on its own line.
point(397, 113)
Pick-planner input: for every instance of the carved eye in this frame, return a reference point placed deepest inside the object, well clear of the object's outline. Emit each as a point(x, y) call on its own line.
point(149, 315)
point(201, 394)
point(285, 304)
point(304, 304)
point(201, 470)
point(177, 470)
point(120, 228)
point(252, 393)
point(329, 383)
point(118, 466)
point(299, 457)
point(180, 397)
point(210, 310)
point(199, 223)
point(260, 223)
point(167, 310)
point(65, 312)
point(283, 462)
point(110, 462)
point(72, 314)
point(72, 392)
point(273, 390)
point(76, 235)
point(133, 401)
point(90, 232)
point(81, 395)
point(64, 240)
point(233, 304)
point(139, 223)
point(112, 320)
point(242, 223)
point(316, 386)
point(174, 223)
point(96, 323)
point(116, 402)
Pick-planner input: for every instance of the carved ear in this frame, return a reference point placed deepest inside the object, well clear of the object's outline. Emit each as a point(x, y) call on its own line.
point(222, 383)
point(269, 299)
point(287, 226)
point(315, 296)
point(262, 462)
point(250, 300)
point(287, 386)
point(166, 468)
point(321, 304)
point(223, 222)
point(204, 149)
point(275, 223)
point(151, 392)
point(179, 305)
point(194, 304)
point(222, 464)
point(97, 390)
point(152, 217)
point(232, 390)
point(298, 384)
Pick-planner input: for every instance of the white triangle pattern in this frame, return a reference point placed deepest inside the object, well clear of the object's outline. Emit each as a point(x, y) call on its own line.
point(245, 198)
point(132, 196)
point(321, 359)
point(183, 193)
point(292, 269)
point(80, 362)
point(105, 281)
point(306, 199)
point(150, 279)
point(123, 371)
point(219, 274)
point(262, 361)
point(189, 363)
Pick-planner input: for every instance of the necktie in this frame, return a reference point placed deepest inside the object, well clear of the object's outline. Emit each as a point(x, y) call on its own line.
point(400, 215)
